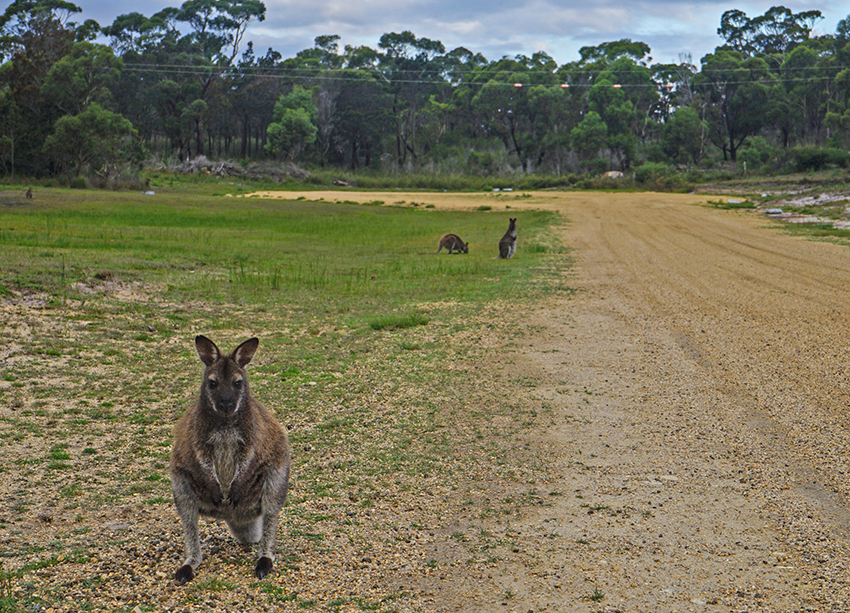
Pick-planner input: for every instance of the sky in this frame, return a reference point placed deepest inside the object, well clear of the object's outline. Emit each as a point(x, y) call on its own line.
point(493, 28)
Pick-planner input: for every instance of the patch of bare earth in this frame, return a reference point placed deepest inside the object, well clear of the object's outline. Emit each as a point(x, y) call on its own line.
point(699, 434)
point(674, 438)
point(385, 455)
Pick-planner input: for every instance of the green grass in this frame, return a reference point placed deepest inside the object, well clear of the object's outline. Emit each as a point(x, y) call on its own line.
point(596, 595)
point(398, 322)
point(818, 231)
point(372, 352)
point(254, 250)
point(740, 203)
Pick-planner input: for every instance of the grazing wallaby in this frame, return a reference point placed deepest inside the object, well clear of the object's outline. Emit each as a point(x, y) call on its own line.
point(29, 193)
point(453, 243)
point(229, 460)
point(507, 245)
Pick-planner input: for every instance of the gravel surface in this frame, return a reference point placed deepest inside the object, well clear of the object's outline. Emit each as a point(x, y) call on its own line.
point(685, 450)
point(698, 386)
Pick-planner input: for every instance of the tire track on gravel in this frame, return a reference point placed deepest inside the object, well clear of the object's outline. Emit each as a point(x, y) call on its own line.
point(699, 386)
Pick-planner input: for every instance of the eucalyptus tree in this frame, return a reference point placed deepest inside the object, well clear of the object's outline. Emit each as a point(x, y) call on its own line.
point(34, 35)
point(589, 138)
point(683, 136)
point(808, 84)
point(412, 70)
point(83, 76)
point(180, 74)
point(365, 112)
point(24, 19)
point(737, 89)
point(294, 125)
point(149, 48)
point(95, 137)
point(319, 68)
point(771, 36)
point(613, 81)
point(522, 105)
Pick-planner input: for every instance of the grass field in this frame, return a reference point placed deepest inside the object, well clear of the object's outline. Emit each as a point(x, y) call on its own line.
point(373, 352)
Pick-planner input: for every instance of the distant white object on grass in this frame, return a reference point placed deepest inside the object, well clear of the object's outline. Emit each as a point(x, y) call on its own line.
point(733, 201)
point(149, 193)
point(774, 211)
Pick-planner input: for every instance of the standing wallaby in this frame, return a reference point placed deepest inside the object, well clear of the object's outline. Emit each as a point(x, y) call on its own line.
point(453, 243)
point(507, 245)
point(29, 193)
point(229, 460)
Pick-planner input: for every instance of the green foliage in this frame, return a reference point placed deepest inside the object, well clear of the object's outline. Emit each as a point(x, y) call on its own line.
point(684, 135)
point(294, 125)
point(589, 136)
point(818, 158)
point(756, 153)
point(94, 134)
point(651, 173)
point(407, 105)
point(82, 77)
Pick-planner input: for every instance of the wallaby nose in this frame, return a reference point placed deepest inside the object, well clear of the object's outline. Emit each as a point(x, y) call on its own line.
point(227, 406)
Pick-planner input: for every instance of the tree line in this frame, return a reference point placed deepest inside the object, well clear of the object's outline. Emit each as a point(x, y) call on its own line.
point(183, 82)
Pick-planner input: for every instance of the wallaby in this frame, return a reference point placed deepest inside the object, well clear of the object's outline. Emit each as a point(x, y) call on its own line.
point(453, 243)
point(29, 193)
point(230, 460)
point(507, 245)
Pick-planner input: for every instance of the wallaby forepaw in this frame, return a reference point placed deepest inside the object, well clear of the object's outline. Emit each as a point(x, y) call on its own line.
point(264, 567)
point(184, 574)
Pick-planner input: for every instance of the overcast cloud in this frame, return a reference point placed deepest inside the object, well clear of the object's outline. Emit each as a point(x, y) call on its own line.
point(494, 28)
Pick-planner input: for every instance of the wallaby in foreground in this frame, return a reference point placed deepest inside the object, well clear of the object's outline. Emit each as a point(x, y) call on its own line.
point(453, 243)
point(507, 245)
point(229, 460)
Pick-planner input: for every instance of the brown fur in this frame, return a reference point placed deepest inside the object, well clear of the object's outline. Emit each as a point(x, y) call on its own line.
point(29, 193)
point(230, 460)
point(453, 243)
point(507, 245)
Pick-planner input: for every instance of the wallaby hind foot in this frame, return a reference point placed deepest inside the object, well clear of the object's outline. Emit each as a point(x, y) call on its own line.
point(230, 460)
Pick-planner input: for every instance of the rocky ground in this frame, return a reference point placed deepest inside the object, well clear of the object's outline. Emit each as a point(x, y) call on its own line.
point(689, 413)
point(698, 385)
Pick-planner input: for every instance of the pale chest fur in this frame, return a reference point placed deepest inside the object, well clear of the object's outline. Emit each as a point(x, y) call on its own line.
point(225, 459)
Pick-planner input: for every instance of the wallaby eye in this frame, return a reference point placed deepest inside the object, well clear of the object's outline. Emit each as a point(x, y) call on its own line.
point(238, 384)
point(212, 383)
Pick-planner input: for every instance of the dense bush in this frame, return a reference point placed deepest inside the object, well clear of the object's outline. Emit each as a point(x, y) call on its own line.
point(651, 172)
point(819, 158)
point(756, 153)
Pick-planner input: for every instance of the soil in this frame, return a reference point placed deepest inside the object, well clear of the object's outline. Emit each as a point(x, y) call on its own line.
point(698, 383)
point(691, 398)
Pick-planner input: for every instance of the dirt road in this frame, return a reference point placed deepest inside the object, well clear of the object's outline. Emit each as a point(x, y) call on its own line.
point(698, 389)
point(691, 399)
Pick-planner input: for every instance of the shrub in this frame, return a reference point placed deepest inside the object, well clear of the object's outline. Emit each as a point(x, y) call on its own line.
point(80, 183)
point(811, 158)
point(756, 153)
point(651, 173)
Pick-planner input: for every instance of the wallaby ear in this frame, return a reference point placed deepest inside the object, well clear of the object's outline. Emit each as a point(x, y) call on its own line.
point(244, 352)
point(207, 350)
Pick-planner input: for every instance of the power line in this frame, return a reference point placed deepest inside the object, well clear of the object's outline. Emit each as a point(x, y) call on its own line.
point(454, 80)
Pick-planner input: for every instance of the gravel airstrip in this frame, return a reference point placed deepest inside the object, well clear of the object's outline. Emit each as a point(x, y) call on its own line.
point(691, 415)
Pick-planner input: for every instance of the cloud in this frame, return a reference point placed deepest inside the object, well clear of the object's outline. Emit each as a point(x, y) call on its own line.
point(494, 28)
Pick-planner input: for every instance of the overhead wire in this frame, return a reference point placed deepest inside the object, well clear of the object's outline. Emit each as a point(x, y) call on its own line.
point(456, 78)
